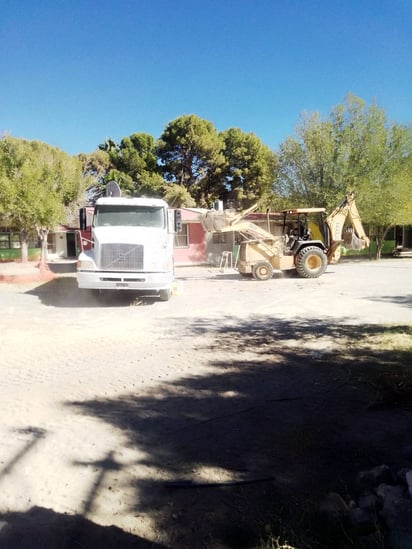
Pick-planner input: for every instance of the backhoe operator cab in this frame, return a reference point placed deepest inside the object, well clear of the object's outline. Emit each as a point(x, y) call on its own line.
point(304, 239)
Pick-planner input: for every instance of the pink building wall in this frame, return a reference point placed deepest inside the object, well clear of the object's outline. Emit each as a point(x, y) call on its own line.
point(195, 252)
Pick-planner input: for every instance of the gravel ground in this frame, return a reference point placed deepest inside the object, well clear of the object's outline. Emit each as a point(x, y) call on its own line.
point(176, 423)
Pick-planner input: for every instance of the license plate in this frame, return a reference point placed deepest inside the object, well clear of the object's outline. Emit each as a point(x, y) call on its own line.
point(122, 285)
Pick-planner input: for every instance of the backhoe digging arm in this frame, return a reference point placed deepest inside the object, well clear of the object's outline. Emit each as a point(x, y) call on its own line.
point(354, 237)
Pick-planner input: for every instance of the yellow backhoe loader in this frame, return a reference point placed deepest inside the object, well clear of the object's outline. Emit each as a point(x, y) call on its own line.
point(304, 239)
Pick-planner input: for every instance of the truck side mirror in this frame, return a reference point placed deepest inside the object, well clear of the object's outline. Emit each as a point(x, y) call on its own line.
point(178, 221)
point(83, 219)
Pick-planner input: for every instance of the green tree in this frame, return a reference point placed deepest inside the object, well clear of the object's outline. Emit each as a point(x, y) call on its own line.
point(178, 196)
point(133, 165)
point(307, 171)
point(153, 185)
point(108, 146)
point(191, 152)
point(375, 160)
point(136, 155)
point(39, 186)
point(249, 171)
point(386, 197)
point(96, 166)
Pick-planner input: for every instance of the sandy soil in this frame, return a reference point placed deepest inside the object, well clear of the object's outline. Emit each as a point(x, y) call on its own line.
point(206, 421)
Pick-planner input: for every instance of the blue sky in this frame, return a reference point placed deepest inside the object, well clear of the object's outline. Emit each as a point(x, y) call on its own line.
point(75, 72)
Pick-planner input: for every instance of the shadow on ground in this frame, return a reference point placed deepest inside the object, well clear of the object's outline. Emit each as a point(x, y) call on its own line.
point(64, 292)
point(41, 528)
point(405, 300)
point(289, 412)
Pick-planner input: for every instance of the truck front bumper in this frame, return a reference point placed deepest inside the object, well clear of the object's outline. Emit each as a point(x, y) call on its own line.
point(99, 280)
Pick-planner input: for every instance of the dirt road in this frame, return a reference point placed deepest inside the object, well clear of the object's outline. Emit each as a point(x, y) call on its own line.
point(188, 423)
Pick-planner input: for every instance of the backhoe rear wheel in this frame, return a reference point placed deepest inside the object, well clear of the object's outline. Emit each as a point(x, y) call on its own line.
point(262, 270)
point(311, 262)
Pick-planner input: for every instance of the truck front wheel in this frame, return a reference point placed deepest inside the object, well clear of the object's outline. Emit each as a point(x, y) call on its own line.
point(311, 262)
point(165, 295)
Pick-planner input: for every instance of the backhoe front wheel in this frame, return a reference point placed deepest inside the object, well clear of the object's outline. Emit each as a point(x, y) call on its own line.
point(311, 262)
point(262, 270)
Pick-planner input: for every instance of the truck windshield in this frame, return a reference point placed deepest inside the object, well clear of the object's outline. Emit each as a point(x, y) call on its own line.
point(111, 215)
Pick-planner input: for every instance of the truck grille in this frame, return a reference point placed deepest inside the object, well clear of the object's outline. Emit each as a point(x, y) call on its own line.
point(121, 257)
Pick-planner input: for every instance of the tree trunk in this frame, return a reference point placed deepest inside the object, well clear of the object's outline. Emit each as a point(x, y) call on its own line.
point(379, 245)
point(43, 234)
point(380, 239)
point(24, 243)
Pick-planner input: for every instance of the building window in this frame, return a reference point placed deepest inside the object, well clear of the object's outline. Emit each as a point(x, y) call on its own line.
point(15, 241)
point(11, 241)
point(4, 241)
point(182, 237)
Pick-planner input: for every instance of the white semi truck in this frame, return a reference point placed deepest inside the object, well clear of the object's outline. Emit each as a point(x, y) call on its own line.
point(131, 246)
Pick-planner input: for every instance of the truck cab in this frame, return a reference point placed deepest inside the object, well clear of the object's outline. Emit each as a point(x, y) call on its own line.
point(131, 246)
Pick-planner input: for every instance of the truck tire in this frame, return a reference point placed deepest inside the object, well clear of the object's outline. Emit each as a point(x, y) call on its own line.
point(262, 270)
point(311, 262)
point(165, 295)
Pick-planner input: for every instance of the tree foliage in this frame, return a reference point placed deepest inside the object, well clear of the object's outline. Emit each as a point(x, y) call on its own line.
point(136, 155)
point(306, 163)
point(190, 152)
point(249, 169)
point(133, 165)
point(96, 166)
point(228, 165)
point(178, 196)
point(38, 186)
point(387, 198)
